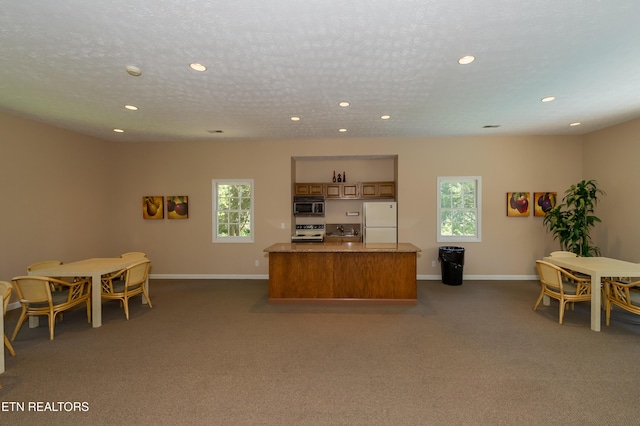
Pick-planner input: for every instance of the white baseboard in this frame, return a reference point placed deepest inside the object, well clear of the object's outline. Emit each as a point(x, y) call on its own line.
point(207, 277)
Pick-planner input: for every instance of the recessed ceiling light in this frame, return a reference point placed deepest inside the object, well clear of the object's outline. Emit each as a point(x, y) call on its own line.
point(342, 130)
point(577, 123)
point(197, 67)
point(548, 99)
point(133, 70)
point(131, 107)
point(466, 60)
point(294, 118)
point(118, 130)
point(385, 117)
point(344, 104)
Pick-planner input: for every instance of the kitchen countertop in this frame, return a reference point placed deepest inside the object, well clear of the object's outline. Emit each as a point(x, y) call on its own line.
point(330, 247)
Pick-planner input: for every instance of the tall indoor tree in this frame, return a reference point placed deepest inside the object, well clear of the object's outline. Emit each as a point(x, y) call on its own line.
point(571, 221)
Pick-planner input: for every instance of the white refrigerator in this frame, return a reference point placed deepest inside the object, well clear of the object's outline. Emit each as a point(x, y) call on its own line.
point(380, 222)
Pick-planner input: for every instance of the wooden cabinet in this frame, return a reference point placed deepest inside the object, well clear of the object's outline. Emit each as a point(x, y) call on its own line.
point(340, 240)
point(344, 275)
point(309, 189)
point(378, 190)
point(341, 190)
point(348, 191)
point(387, 189)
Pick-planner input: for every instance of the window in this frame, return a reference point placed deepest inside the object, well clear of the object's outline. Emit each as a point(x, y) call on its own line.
point(233, 211)
point(459, 207)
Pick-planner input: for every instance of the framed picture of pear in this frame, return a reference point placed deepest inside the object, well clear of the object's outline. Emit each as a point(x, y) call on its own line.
point(152, 207)
point(518, 204)
point(177, 207)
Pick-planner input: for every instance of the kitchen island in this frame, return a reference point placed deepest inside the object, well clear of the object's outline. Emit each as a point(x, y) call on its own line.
point(356, 273)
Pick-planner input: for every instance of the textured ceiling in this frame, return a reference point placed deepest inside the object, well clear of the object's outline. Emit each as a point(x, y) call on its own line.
point(63, 62)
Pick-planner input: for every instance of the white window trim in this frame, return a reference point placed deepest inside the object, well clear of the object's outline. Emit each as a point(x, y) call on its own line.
point(214, 190)
point(459, 239)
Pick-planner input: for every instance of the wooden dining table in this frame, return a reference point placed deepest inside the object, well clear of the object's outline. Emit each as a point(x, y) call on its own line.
point(597, 268)
point(94, 268)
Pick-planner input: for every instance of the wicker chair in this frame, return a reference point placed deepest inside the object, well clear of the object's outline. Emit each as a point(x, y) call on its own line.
point(561, 285)
point(562, 253)
point(5, 292)
point(37, 298)
point(126, 283)
point(43, 264)
point(581, 278)
point(134, 255)
point(624, 294)
point(48, 264)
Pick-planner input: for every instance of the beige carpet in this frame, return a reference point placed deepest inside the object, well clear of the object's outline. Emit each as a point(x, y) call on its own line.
point(216, 353)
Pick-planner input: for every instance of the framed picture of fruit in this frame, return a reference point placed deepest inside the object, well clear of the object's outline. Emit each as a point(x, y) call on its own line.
point(152, 207)
point(177, 207)
point(543, 202)
point(518, 203)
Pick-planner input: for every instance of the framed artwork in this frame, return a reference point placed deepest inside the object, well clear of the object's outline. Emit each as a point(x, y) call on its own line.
point(152, 207)
point(518, 203)
point(543, 202)
point(177, 207)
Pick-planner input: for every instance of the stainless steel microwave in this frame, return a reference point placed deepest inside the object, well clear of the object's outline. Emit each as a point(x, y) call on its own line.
point(308, 206)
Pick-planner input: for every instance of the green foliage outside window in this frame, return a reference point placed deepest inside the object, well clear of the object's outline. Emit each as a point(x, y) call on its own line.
point(233, 209)
point(459, 207)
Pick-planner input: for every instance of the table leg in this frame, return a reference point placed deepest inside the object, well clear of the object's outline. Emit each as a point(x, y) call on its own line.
point(96, 300)
point(34, 321)
point(596, 301)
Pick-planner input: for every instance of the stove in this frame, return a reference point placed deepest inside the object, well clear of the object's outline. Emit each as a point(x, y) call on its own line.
point(308, 234)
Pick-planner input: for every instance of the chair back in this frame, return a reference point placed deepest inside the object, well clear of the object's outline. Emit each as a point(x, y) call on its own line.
point(5, 292)
point(43, 264)
point(33, 289)
point(134, 255)
point(550, 275)
point(562, 253)
point(137, 273)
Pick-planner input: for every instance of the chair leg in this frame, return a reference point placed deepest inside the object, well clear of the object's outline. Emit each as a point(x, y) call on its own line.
point(7, 343)
point(52, 324)
point(89, 311)
point(606, 289)
point(562, 308)
point(21, 320)
point(534, 306)
point(126, 307)
point(147, 296)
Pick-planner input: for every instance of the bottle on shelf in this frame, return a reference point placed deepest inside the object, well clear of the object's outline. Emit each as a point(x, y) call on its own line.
point(334, 175)
point(344, 176)
point(339, 178)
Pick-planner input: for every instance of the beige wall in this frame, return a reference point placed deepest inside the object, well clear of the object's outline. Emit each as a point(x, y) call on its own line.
point(89, 191)
point(611, 157)
point(57, 193)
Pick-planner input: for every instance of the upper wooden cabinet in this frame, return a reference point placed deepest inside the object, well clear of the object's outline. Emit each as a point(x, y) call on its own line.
point(348, 191)
point(387, 190)
point(378, 190)
point(341, 190)
point(309, 189)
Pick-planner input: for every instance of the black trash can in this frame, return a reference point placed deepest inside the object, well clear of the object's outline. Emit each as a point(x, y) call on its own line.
point(451, 262)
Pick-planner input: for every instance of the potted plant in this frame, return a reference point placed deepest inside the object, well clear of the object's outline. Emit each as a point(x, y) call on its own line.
point(571, 221)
